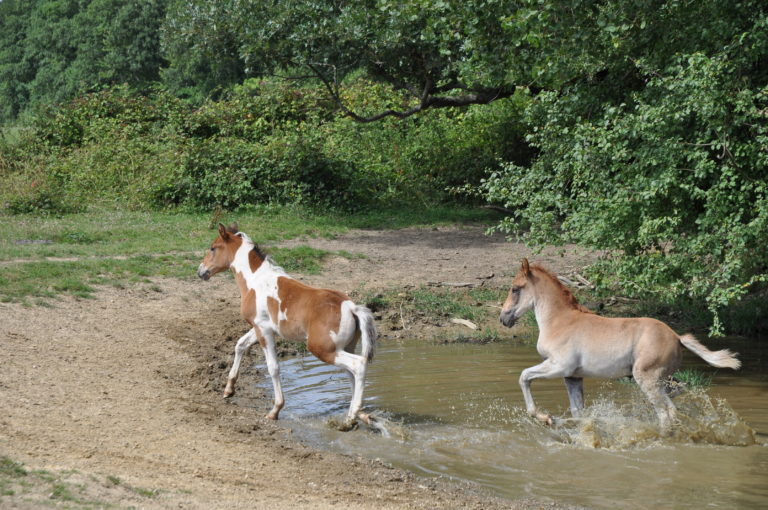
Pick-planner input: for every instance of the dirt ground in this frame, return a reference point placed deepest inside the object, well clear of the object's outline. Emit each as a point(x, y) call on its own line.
point(121, 395)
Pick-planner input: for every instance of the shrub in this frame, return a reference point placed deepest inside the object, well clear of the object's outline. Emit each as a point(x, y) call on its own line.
point(263, 142)
point(231, 173)
point(90, 118)
point(420, 157)
point(42, 202)
point(670, 186)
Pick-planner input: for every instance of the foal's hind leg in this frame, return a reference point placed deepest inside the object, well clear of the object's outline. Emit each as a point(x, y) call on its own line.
point(350, 348)
point(356, 365)
point(270, 354)
point(241, 349)
point(652, 385)
point(575, 387)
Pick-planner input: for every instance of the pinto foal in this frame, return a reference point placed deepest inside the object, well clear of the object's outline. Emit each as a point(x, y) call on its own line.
point(273, 303)
point(575, 344)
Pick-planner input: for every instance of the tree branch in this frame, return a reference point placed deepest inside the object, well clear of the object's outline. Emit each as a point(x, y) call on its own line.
point(426, 99)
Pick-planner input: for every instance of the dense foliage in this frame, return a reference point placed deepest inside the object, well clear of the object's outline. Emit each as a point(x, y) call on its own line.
point(264, 143)
point(53, 50)
point(665, 168)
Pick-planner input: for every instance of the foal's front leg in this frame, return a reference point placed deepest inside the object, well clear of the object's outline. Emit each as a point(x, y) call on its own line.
point(575, 387)
point(545, 370)
point(241, 349)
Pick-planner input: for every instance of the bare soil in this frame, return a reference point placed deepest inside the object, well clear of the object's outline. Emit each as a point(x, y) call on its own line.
point(123, 391)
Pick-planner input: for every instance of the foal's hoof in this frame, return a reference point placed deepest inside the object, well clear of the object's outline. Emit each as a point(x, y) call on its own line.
point(545, 418)
point(228, 393)
point(348, 425)
point(367, 418)
point(271, 416)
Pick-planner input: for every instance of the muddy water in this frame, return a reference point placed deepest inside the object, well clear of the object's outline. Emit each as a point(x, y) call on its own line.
point(457, 411)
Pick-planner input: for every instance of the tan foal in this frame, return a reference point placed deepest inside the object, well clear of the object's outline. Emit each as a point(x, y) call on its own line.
point(576, 343)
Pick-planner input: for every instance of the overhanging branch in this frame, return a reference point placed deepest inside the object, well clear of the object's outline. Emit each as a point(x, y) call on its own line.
point(426, 99)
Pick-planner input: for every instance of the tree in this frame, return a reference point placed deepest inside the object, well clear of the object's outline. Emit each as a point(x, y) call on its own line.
point(200, 42)
point(54, 49)
point(14, 71)
point(443, 54)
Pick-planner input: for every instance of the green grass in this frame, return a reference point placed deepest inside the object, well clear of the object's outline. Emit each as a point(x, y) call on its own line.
point(301, 259)
point(693, 378)
point(436, 302)
point(126, 233)
point(42, 257)
point(62, 489)
point(11, 468)
point(441, 303)
point(62, 492)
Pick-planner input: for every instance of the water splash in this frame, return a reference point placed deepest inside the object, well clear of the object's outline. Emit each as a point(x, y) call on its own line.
point(381, 423)
point(389, 427)
point(609, 424)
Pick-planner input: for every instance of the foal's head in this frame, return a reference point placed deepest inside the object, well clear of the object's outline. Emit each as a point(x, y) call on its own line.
point(521, 296)
point(222, 252)
point(532, 283)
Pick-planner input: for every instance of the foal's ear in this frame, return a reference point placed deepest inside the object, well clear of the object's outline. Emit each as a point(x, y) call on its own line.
point(223, 231)
point(526, 269)
point(233, 228)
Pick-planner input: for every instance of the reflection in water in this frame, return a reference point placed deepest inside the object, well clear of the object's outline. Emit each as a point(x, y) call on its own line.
point(457, 411)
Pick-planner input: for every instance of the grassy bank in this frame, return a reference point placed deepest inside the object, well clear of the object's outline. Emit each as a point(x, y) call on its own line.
point(45, 256)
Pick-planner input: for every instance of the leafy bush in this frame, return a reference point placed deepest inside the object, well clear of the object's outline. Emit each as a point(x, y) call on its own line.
point(42, 202)
point(264, 142)
point(256, 109)
point(231, 173)
point(95, 116)
point(670, 185)
point(419, 158)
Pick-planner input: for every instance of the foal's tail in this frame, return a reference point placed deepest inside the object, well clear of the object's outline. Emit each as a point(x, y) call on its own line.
point(722, 359)
point(367, 331)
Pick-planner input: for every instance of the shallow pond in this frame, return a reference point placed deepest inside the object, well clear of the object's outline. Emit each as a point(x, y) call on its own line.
point(457, 410)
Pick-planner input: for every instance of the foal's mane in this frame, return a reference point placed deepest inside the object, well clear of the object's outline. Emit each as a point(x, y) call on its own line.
point(232, 229)
point(568, 296)
point(259, 252)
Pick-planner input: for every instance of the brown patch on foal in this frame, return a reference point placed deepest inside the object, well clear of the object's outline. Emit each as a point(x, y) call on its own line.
point(247, 301)
point(272, 308)
point(255, 258)
point(319, 310)
point(248, 307)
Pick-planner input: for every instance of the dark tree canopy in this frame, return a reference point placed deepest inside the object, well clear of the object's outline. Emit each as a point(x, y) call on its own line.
point(454, 53)
point(53, 50)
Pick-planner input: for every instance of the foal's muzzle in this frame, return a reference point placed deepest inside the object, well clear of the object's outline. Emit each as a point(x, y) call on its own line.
point(508, 318)
point(203, 273)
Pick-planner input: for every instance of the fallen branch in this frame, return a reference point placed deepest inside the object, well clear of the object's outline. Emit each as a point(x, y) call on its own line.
point(583, 280)
point(465, 322)
point(453, 284)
